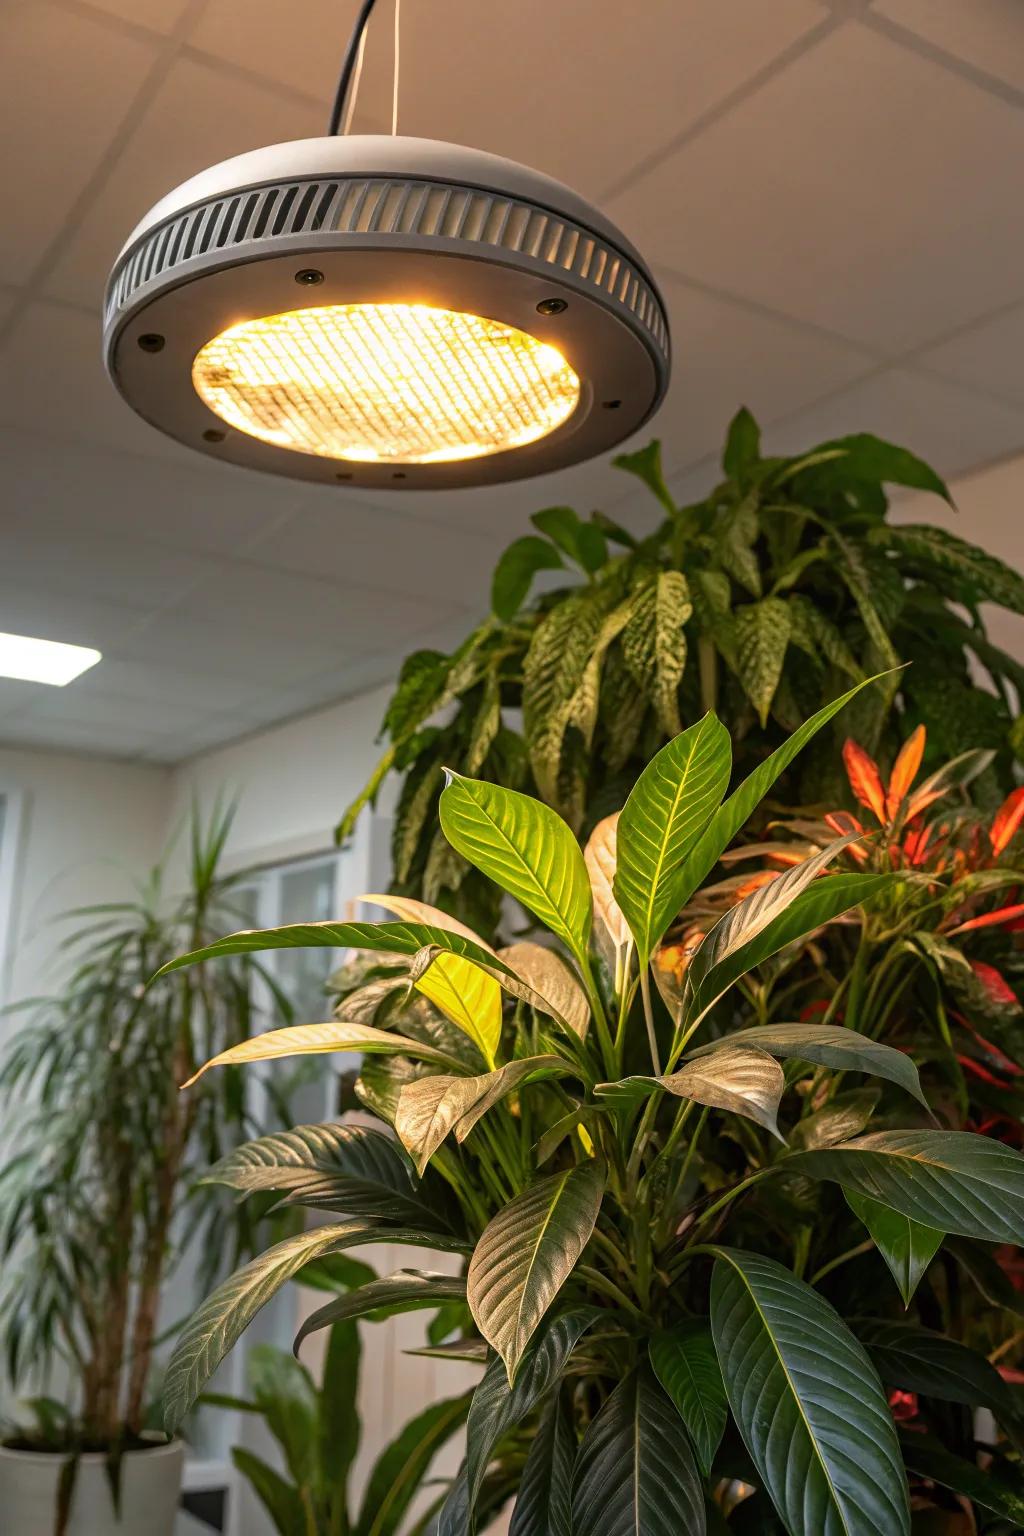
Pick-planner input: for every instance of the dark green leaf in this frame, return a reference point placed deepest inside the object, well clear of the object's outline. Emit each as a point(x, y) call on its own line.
point(742, 445)
point(872, 460)
point(543, 1505)
point(645, 463)
point(932, 1461)
point(399, 1472)
point(515, 572)
point(919, 1360)
point(827, 1045)
point(906, 1246)
point(405, 1291)
point(635, 1474)
point(527, 1252)
point(973, 574)
point(808, 1403)
point(582, 542)
point(284, 1392)
point(686, 1364)
point(282, 1502)
point(761, 632)
point(842, 1118)
point(340, 1427)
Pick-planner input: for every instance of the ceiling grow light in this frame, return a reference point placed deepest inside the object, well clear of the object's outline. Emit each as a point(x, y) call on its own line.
point(385, 311)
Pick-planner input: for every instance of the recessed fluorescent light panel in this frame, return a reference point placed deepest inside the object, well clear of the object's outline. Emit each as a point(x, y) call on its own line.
point(44, 661)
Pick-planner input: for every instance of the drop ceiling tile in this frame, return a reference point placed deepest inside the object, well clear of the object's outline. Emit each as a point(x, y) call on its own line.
point(76, 620)
point(334, 536)
point(66, 84)
point(193, 505)
point(988, 356)
point(203, 636)
point(523, 80)
point(208, 693)
point(850, 191)
point(986, 33)
point(160, 15)
point(154, 716)
point(942, 423)
point(17, 696)
point(199, 115)
point(117, 570)
point(52, 380)
point(75, 737)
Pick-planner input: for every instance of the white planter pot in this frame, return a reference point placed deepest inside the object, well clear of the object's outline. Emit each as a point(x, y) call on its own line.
point(150, 1489)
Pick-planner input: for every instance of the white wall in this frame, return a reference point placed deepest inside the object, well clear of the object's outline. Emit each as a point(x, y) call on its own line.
point(87, 828)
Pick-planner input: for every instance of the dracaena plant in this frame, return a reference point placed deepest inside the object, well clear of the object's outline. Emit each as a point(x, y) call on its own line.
point(615, 1179)
point(781, 587)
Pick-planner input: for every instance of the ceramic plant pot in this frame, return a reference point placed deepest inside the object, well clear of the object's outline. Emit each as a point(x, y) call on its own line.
point(150, 1489)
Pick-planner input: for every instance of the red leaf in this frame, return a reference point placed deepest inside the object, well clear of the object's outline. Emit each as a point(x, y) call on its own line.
point(915, 845)
point(998, 988)
point(904, 770)
point(1007, 820)
point(990, 919)
point(843, 823)
point(862, 772)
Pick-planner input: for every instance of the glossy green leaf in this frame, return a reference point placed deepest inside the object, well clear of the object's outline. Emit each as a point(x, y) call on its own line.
point(340, 1427)
point(686, 1364)
point(842, 1118)
point(928, 1459)
point(279, 1498)
point(543, 1506)
point(496, 1407)
point(347, 1168)
point(871, 459)
point(582, 542)
point(514, 573)
point(821, 903)
point(431, 1107)
point(826, 1045)
point(906, 1246)
point(223, 1317)
point(742, 445)
point(668, 808)
point(285, 1394)
point(645, 463)
point(744, 1081)
point(952, 1181)
point(807, 1401)
point(526, 849)
point(406, 1290)
point(734, 812)
point(919, 1360)
point(322, 1039)
point(525, 1255)
point(635, 1474)
point(398, 1474)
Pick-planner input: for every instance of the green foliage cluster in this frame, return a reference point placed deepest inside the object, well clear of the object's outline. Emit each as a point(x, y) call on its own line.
point(623, 1173)
point(787, 583)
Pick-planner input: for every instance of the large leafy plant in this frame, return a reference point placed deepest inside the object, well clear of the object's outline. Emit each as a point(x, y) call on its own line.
point(618, 1173)
point(784, 585)
point(96, 1194)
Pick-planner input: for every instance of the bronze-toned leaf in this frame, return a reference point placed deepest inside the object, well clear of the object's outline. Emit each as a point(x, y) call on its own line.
point(745, 1081)
point(548, 975)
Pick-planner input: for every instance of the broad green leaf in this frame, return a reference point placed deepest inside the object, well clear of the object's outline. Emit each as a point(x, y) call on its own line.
point(645, 463)
point(551, 979)
point(340, 1427)
point(919, 1360)
point(654, 644)
point(742, 923)
point(826, 1045)
point(813, 908)
point(741, 804)
point(986, 1274)
point(868, 458)
point(737, 529)
point(431, 1107)
point(952, 1181)
point(686, 1364)
point(351, 1167)
point(742, 1080)
point(542, 1506)
point(635, 1474)
point(965, 570)
point(807, 1401)
point(582, 542)
point(497, 1407)
point(282, 1502)
point(761, 633)
point(525, 1255)
point(554, 669)
point(906, 1246)
point(398, 1475)
point(841, 1119)
point(467, 995)
point(407, 1290)
point(928, 1459)
point(527, 849)
point(742, 445)
point(284, 1392)
point(219, 1322)
point(668, 808)
point(515, 571)
point(319, 1040)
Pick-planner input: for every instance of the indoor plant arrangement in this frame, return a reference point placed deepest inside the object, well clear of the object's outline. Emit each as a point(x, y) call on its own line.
point(628, 1179)
point(783, 586)
point(96, 1200)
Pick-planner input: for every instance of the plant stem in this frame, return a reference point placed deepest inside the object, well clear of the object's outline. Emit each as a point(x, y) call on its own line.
point(652, 1039)
point(727, 1199)
point(851, 1253)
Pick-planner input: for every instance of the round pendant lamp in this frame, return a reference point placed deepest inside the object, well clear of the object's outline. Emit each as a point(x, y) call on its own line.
point(386, 312)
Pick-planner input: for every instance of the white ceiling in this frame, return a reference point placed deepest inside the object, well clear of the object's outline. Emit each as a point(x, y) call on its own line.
point(828, 192)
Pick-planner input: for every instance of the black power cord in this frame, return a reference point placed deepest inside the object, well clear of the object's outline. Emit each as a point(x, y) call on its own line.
point(348, 66)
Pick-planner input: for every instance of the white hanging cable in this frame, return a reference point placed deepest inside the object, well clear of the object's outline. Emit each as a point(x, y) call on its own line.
point(398, 50)
point(354, 93)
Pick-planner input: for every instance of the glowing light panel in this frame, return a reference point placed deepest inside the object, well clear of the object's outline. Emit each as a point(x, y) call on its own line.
point(386, 383)
point(44, 661)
